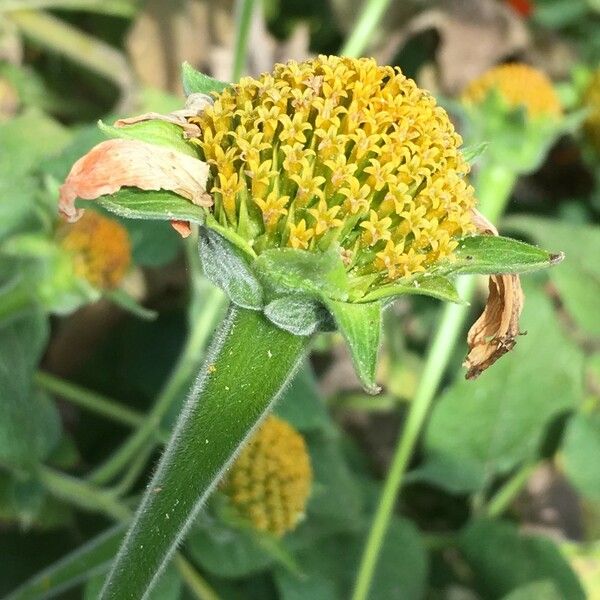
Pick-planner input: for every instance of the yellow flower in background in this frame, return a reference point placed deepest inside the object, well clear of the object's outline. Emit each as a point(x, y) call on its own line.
point(519, 85)
point(100, 248)
point(270, 481)
point(591, 101)
point(338, 152)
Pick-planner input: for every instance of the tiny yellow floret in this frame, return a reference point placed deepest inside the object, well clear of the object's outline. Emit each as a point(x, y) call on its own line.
point(592, 103)
point(338, 152)
point(100, 248)
point(519, 85)
point(270, 481)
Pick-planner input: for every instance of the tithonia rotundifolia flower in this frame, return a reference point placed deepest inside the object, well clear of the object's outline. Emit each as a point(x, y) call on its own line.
point(270, 481)
point(519, 85)
point(100, 249)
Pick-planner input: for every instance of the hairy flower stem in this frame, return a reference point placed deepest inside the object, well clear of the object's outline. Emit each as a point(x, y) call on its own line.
point(187, 365)
point(494, 185)
point(366, 24)
point(247, 366)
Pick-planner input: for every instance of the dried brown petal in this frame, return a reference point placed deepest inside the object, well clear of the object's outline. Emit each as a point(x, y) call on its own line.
point(113, 164)
point(496, 330)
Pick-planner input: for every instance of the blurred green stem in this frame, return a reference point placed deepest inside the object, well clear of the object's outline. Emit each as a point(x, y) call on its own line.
point(122, 8)
point(89, 400)
point(244, 10)
point(206, 306)
point(502, 499)
point(365, 26)
point(494, 185)
point(81, 48)
point(91, 498)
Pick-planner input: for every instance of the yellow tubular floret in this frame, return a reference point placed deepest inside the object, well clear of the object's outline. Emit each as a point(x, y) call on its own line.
point(100, 247)
point(270, 481)
point(343, 152)
point(519, 85)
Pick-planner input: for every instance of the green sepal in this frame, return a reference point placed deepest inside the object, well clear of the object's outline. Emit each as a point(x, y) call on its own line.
point(473, 151)
point(435, 286)
point(360, 324)
point(123, 300)
point(153, 131)
point(226, 266)
point(288, 271)
point(490, 254)
point(162, 205)
point(298, 315)
point(195, 82)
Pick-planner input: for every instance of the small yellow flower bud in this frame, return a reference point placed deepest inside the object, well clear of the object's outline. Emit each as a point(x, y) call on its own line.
point(270, 481)
point(100, 247)
point(519, 85)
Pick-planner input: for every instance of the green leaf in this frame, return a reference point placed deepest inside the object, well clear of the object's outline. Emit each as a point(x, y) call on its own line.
point(92, 558)
point(489, 254)
point(480, 430)
point(580, 449)
point(537, 590)
point(153, 243)
point(360, 324)
point(298, 315)
point(226, 267)
point(474, 151)
point(133, 203)
point(286, 270)
point(329, 567)
point(503, 560)
point(152, 131)
point(435, 286)
point(195, 82)
point(127, 303)
point(578, 277)
point(29, 422)
point(302, 404)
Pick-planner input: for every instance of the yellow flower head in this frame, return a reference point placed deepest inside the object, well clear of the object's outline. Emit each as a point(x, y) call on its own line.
point(100, 248)
point(270, 480)
point(338, 152)
point(592, 102)
point(519, 85)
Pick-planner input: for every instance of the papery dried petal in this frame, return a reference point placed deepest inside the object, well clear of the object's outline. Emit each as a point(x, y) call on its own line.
point(496, 330)
point(113, 164)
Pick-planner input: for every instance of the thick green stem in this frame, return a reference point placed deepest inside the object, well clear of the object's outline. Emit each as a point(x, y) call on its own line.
point(188, 364)
point(89, 400)
point(366, 24)
point(244, 10)
point(247, 366)
point(494, 185)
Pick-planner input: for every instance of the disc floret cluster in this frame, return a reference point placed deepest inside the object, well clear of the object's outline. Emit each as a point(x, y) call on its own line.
point(100, 248)
point(519, 85)
point(270, 481)
point(338, 152)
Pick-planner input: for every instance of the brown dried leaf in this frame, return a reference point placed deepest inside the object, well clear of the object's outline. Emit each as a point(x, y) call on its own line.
point(113, 164)
point(495, 332)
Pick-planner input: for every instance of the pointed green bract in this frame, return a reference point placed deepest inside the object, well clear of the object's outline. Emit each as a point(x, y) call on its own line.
point(162, 205)
point(129, 304)
point(298, 271)
point(225, 266)
point(195, 82)
point(296, 314)
point(360, 324)
point(153, 131)
point(489, 254)
point(435, 286)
